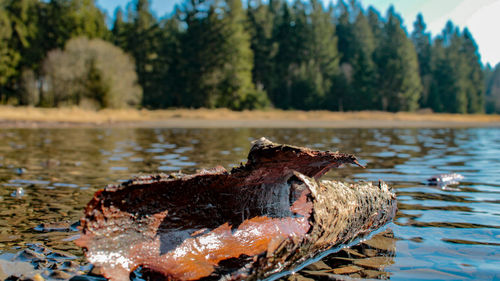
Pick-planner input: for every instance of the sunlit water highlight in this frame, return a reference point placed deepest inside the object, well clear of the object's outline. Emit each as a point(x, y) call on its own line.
point(439, 234)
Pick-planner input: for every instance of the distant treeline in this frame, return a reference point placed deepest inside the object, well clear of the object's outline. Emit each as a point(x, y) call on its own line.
point(218, 53)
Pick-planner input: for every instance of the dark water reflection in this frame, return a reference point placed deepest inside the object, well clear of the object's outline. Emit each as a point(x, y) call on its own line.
point(451, 234)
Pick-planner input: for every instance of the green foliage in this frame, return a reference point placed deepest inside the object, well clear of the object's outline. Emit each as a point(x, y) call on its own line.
point(457, 77)
point(8, 56)
point(91, 73)
point(365, 76)
point(141, 36)
point(493, 90)
point(306, 61)
point(422, 41)
point(262, 18)
point(214, 53)
point(216, 57)
point(400, 86)
point(474, 77)
point(64, 19)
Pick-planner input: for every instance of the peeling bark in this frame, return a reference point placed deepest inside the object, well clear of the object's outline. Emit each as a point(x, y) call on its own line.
point(259, 219)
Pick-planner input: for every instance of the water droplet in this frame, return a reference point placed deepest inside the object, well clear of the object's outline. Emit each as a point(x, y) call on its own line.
point(18, 193)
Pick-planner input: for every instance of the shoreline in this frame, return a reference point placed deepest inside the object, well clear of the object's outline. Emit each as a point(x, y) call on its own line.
point(29, 117)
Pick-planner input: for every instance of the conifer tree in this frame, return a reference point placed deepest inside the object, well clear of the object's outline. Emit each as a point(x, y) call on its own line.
point(474, 77)
point(422, 41)
point(167, 65)
point(449, 73)
point(237, 82)
point(9, 58)
point(280, 94)
point(24, 16)
point(364, 78)
point(216, 56)
point(321, 56)
point(493, 90)
point(119, 30)
point(376, 24)
point(262, 19)
point(143, 42)
point(65, 19)
point(343, 30)
point(400, 85)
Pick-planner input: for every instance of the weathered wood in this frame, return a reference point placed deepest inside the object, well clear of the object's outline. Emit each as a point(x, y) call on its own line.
point(256, 220)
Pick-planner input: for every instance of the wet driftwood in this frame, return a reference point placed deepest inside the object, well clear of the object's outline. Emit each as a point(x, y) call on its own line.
point(261, 218)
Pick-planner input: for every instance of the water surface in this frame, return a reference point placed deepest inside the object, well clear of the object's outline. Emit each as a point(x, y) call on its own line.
point(453, 233)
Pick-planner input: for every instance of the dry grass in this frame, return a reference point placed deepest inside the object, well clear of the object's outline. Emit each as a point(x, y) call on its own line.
point(74, 115)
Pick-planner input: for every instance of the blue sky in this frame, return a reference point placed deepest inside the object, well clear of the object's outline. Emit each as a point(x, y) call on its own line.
point(482, 17)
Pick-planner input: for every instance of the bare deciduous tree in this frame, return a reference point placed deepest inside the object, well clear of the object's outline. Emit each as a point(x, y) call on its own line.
point(91, 73)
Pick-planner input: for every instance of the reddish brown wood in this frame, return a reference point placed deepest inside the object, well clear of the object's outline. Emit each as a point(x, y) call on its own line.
point(259, 218)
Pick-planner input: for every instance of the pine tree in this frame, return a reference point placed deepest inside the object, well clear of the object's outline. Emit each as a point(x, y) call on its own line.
point(475, 85)
point(344, 32)
point(143, 41)
point(283, 34)
point(216, 56)
point(364, 78)
point(400, 85)
point(376, 24)
point(88, 19)
point(65, 19)
point(307, 58)
point(322, 58)
point(9, 58)
point(493, 90)
point(237, 68)
point(167, 66)
point(119, 30)
point(449, 72)
point(422, 41)
point(261, 19)
point(23, 16)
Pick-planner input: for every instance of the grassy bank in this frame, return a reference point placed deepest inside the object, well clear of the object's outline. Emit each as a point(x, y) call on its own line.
point(61, 117)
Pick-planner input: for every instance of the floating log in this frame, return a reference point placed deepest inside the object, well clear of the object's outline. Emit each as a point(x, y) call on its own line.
point(259, 219)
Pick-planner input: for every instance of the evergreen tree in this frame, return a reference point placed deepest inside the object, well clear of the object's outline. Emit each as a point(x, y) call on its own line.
point(88, 20)
point(422, 41)
point(261, 19)
point(493, 90)
point(119, 30)
point(474, 83)
point(18, 20)
point(65, 19)
point(143, 41)
point(9, 58)
point(321, 57)
point(167, 65)
point(237, 68)
point(344, 32)
point(198, 53)
point(280, 94)
point(307, 58)
point(376, 24)
point(23, 16)
point(400, 85)
point(343, 95)
point(364, 78)
point(450, 73)
point(216, 56)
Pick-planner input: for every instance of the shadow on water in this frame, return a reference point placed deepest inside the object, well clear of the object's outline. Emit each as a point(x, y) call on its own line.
point(47, 177)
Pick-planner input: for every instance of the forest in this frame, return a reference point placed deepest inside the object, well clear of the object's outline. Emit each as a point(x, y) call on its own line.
point(223, 53)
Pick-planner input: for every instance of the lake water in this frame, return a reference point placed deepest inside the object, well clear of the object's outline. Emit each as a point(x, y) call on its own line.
point(48, 175)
